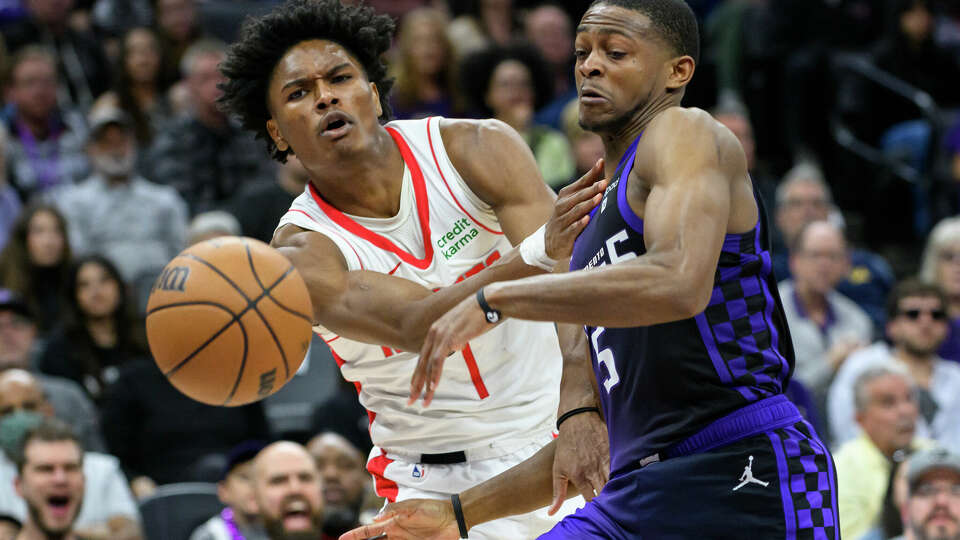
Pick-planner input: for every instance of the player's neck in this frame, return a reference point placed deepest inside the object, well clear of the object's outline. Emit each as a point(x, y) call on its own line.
point(367, 184)
point(615, 143)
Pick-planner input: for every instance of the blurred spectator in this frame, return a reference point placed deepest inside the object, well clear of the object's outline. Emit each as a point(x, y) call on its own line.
point(803, 197)
point(9, 527)
point(137, 88)
point(343, 414)
point(286, 484)
point(50, 479)
point(509, 84)
point(205, 155)
point(36, 260)
point(344, 475)
point(916, 327)
point(549, 29)
point(932, 508)
point(138, 224)
point(887, 411)
point(101, 331)
point(45, 148)
point(587, 146)
point(109, 511)
point(235, 490)
point(178, 27)
point(825, 325)
point(735, 117)
point(479, 24)
point(424, 67)
point(941, 265)
point(210, 225)
point(80, 60)
point(162, 436)
point(9, 200)
point(258, 207)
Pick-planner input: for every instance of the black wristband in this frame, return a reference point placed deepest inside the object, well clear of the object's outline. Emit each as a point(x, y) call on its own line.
point(458, 513)
point(574, 412)
point(492, 315)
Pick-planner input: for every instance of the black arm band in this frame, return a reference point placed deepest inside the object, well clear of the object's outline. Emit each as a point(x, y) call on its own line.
point(492, 315)
point(458, 513)
point(574, 412)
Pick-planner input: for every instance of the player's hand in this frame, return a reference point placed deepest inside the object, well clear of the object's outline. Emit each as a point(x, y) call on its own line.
point(414, 519)
point(448, 334)
point(582, 458)
point(571, 212)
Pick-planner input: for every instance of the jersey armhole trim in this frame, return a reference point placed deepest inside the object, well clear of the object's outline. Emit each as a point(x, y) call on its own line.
point(318, 227)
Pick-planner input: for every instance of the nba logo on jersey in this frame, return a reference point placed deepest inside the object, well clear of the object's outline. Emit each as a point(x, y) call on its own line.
point(417, 471)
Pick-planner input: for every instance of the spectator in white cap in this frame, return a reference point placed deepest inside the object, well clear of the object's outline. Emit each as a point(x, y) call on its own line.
point(932, 508)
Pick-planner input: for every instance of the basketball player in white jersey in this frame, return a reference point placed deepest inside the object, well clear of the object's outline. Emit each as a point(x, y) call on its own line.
point(397, 225)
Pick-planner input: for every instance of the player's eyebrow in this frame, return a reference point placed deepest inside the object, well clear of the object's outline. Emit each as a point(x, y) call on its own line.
point(301, 80)
point(601, 30)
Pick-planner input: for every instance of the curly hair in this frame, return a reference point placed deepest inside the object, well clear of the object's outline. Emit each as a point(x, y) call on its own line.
point(264, 40)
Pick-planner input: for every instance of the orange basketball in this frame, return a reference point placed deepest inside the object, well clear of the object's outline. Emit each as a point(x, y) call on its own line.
point(229, 320)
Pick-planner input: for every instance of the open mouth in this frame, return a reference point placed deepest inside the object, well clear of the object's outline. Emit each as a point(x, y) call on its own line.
point(590, 95)
point(335, 124)
point(59, 505)
point(296, 516)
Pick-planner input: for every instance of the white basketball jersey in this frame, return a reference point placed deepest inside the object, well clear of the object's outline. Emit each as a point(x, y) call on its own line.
point(505, 384)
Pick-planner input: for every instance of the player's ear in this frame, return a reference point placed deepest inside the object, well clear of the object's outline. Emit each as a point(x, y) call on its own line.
point(274, 131)
point(681, 71)
point(376, 99)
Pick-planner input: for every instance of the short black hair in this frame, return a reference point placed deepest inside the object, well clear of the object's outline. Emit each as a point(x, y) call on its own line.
point(672, 19)
point(264, 40)
point(48, 430)
point(911, 288)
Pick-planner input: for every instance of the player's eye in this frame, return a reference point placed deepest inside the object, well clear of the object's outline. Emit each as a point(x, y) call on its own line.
point(295, 95)
point(340, 78)
point(580, 54)
point(616, 55)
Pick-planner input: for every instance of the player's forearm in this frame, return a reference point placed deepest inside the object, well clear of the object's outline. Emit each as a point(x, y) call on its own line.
point(521, 489)
point(645, 291)
point(577, 387)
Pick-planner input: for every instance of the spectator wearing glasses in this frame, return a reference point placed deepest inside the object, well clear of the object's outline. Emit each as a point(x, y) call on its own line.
point(932, 508)
point(916, 327)
point(941, 265)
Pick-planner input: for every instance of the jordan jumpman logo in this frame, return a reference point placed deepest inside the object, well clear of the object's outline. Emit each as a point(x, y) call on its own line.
point(747, 476)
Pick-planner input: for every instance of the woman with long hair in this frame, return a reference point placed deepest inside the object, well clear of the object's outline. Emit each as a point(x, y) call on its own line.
point(138, 89)
point(424, 67)
point(100, 328)
point(36, 260)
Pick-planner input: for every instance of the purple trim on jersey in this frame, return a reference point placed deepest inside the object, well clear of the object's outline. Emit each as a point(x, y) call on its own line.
point(789, 518)
point(632, 219)
point(764, 415)
point(831, 475)
point(706, 333)
point(771, 302)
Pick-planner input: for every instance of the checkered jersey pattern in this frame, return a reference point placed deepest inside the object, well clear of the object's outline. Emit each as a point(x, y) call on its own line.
point(809, 491)
point(736, 326)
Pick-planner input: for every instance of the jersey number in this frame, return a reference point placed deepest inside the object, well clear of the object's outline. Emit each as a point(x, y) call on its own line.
point(605, 357)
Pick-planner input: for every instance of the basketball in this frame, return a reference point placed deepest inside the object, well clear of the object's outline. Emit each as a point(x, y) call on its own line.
point(228, 321)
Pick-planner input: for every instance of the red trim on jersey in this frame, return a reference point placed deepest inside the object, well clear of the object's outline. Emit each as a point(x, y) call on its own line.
point(474, 372)
point(383, 486)
point(359, 260)
point(423, 212)
point(390, 273)
point(450, 191)
point(334, 338)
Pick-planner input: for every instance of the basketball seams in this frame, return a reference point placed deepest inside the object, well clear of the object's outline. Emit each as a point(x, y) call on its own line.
point(243, 361)
point(211, 339)
point(218, 272)
point(266, 292)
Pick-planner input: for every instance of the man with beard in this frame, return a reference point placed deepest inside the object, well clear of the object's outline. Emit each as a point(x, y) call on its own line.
point(341, 468)
point(932, 509)
point(50, 479)
point(286, 484)
point(916, 326)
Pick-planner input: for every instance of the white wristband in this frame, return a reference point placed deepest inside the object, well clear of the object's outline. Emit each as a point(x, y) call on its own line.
point(534, 252)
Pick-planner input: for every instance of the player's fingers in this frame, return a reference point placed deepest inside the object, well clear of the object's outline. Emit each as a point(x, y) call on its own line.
point(433, 379)
point(566, 203)
point(559, 494)
point(419, 375)
point(366, 531)
point(595, 173)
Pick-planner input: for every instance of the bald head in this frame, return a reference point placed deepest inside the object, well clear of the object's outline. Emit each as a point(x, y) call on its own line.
point(20, 390)
point(287, 488)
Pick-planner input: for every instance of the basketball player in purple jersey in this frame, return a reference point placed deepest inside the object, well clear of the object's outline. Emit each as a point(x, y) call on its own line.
point(672, 283)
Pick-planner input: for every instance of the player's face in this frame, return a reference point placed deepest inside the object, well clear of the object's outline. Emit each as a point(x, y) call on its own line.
point(890, 416)
point(920, 325)
point(619, 67)
point(934, 506)
point(52, 484)
point(288, 494)
point(323, 107)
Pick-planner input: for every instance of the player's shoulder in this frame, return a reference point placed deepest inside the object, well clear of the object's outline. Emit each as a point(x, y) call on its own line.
point(691, 133)
point(462, 137)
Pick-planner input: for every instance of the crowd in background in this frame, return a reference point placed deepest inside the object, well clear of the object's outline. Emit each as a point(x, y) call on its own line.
point(114, 156)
